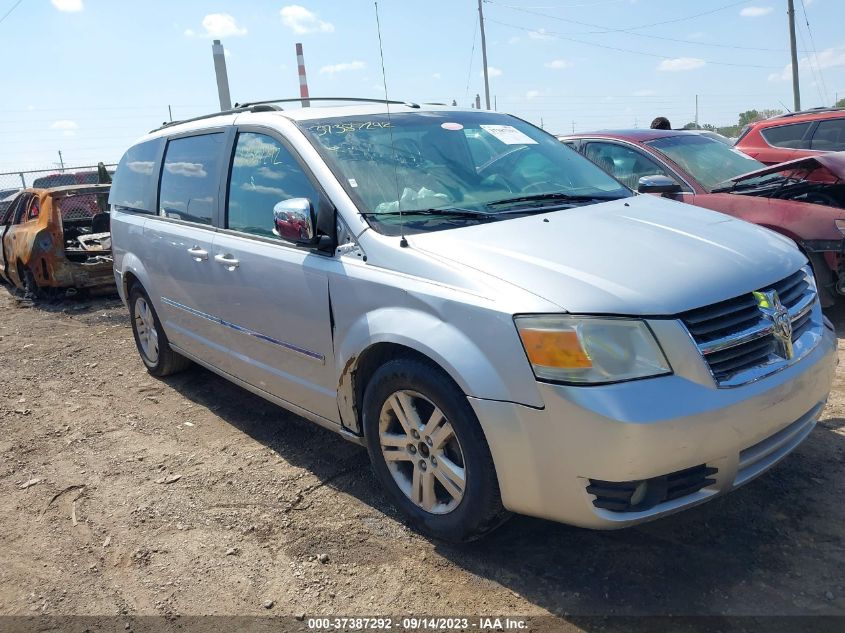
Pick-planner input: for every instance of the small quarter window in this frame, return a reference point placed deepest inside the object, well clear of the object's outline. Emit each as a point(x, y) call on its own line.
point(264, 173)
point(189, 178)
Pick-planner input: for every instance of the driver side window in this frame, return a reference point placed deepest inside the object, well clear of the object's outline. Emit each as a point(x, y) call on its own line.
point(624, 163)
point(264, 173)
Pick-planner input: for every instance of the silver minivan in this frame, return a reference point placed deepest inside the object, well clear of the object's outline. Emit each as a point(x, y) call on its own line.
point(505, 327)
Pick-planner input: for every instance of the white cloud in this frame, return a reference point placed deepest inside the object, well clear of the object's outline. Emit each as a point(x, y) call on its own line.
point(227, 53)
point(539, 34)
point(68, 5)
point(513, 40)
point(302, 21)
point(342, 67)
point(755, 12)
point(219, 25)
point(436, 76)
point(829, 58)
point(558, 64)
point(532, 94)
point(66, 126)
point(643, 93)
point(680, 64)
point(492, 71)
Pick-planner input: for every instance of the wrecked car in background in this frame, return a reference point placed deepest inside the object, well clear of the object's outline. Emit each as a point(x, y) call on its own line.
point(57, 238)
point(802, 199)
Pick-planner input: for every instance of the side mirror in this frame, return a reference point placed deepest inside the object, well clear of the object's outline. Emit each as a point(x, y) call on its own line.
point(295, 220)
point(658, 184)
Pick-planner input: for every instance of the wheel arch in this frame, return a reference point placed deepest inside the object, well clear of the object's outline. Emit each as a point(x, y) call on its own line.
point(385, 334)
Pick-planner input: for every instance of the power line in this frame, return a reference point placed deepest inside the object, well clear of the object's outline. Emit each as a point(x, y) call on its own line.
point(472, 54)
point(560, 36)
point(630, 28)
point(630, 31)
point(9, 12)
point(815, 51)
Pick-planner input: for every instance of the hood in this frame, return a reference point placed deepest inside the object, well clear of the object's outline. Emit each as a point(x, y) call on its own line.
point(834, 162)
point(636, 256)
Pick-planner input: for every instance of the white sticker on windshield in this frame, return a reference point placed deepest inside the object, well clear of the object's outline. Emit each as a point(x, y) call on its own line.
point(509, 135)
point(353, 182)
point(736, 151)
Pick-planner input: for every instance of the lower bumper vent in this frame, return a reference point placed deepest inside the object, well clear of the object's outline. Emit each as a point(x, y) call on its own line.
point(636, 496)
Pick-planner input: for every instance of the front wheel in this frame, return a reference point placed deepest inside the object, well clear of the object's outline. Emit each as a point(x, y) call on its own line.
point(150, 338)
point(429, 451)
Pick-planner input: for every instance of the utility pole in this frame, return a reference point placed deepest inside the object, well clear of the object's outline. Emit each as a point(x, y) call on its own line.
point(61, 160)
point(484, 55)
point(222, 76)
point(696, 111)
point(796, 90)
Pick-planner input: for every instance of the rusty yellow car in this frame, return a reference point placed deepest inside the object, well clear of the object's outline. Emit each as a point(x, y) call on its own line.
point(57, 238)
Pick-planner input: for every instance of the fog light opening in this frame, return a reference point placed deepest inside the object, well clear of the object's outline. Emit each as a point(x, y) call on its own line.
point(639, 493)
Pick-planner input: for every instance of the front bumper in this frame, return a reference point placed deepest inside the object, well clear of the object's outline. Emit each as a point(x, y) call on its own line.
point(649, 428)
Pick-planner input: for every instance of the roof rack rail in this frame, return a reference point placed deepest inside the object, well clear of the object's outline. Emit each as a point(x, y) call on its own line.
point(808, 111)
point(410, 104)
point(262, 107)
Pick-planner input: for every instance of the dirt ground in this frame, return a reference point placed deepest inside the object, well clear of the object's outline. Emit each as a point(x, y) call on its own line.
point(127, 495)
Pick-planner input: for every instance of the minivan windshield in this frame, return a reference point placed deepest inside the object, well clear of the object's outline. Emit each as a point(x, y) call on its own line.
point(444, 169)
point(708, 161)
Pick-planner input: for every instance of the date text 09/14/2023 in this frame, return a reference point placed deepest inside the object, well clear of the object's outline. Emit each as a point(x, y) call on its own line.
point(412, 623)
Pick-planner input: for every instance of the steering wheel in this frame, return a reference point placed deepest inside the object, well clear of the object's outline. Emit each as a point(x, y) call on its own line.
point(496, 159)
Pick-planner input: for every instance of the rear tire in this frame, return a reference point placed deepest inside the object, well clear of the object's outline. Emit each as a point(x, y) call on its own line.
point(31, 289)
point(150, 339)
point(428, 450)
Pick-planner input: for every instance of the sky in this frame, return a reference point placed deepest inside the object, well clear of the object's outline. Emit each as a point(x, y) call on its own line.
point(88, 77)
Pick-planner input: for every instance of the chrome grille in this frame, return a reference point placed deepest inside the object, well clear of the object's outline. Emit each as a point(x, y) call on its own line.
point(735, 337)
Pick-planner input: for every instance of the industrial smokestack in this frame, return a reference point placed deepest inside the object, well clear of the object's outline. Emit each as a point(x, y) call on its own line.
point(303, 80)
point(222, 76)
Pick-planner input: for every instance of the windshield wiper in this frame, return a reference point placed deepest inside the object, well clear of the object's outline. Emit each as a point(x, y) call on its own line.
point(738, 186)
point(451, 212)
point(552, 197)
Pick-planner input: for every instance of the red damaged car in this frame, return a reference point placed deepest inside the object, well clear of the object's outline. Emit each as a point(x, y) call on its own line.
point(803, 199)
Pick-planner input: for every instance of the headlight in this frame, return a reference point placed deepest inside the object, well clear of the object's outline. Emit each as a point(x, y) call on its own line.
point(590, 350)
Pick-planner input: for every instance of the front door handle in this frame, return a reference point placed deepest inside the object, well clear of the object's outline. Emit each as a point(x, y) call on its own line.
point(227, 260)
point(198, 254)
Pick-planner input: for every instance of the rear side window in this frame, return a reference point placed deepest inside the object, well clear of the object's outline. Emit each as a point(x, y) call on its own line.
point(264, 173)
point(189, 178)
point(793, 136)
point(829, 136)
point(134, 180)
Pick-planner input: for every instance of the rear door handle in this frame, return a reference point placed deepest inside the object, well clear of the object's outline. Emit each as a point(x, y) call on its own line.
point(227, 260)
point(198, 254)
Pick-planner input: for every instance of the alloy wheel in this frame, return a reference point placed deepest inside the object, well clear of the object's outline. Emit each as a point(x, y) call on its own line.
point(422, 452)
point(146, 329)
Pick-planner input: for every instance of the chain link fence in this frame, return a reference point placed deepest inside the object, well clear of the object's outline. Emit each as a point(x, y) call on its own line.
point(13, 181)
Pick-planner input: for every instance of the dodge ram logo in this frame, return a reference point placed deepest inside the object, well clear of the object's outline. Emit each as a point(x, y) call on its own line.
point(770, 305)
